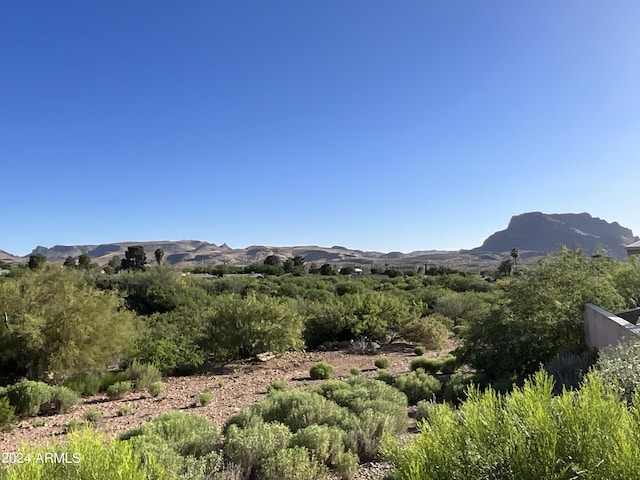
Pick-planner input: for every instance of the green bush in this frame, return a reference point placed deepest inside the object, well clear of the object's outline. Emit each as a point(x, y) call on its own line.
point(419, 350)
point(205, 398)
point(8, 417)
point(431, 331)
point(448, 364)
point(428, 364)
point(355, 371)
point(569, 369)
point(324, 442)
point(88, 384)
point(455, 390)
point(293, 463)
point(92, 415)
point(386, 377)
point(249, 446)
point(27, 397)
point(418, 386)
point(321, 371)
point(277, 386)
point(63, 399)
point(382, 362)
point(243, 327)
point(119, 389)
point(426, 410)
point(616, 365)
point(526, 435)
point(143, 375)
point(124, 410)
point(75, 424)
point(88, 456)
point(156, 389)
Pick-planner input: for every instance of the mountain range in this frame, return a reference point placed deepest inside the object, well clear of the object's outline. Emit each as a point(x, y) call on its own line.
point(533, 234)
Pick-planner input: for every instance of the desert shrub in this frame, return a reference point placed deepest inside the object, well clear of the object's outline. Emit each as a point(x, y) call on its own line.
point(249, 446)
point(321, 371)
point(346, 465)
point(569, 369)
point(526, 435)
point(428, 364)
point(119, 389)
point(85, 383)
point(143, 375)
point(419, 350)
point(277, 386)
point(382, 362)
point(89, 456)
point(124, 410)
point(426, 409)
point(290, 463)
point(324, 442)
point(185, 433)
point(8, 417)
point(385, 376)
point(156, 389)
point(617, 365)
point(205, 398)
point(63, 399)
point(242, 327)
point(418, 386)
point(294, 408)
point(38, 422)
point(355, 371)
point(324, 321)
point(27, 397)
point(455, 390)
point(92, 415)
point(76, 424)
point(540, 316)
point(448, 364)
point(430, 331)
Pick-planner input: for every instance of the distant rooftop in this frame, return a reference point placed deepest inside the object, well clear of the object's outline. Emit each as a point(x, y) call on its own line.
point(634, 248)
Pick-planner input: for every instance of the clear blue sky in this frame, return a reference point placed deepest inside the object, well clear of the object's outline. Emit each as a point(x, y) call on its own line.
point(371, 124)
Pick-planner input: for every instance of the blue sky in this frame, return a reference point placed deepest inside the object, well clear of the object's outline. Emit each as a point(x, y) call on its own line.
point(371, 124)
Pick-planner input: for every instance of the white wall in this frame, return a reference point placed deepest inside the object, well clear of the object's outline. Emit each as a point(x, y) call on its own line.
point(604, 328)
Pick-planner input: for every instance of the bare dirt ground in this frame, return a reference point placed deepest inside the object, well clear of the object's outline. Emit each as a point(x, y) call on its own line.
point(234, 385)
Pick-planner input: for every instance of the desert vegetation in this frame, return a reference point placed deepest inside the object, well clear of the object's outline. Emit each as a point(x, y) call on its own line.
point(516, 388)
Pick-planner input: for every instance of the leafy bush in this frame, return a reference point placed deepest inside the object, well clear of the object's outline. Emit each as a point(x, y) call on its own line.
point(418, 386)
point(431, 331)
point(526, 435)
point(242, 327)
point(617, 365)
point(8, 417)
point(419, 350)
point(249, 446)
point(119, 389)
point(75, 424)
point(386, 377)
point(382, 362)
point(156, 389)
point(540, 316)
point(428, 364)
point(92, 415)
point(355, 371)
point(324, 442)
point(426, 410)
point(88, 384)
point(89, 456)
point(124, 410)
point(455, 390)
point(277, 386)
point(569, 369)
point(27, 397)
point(38, 422)
point(290, 463)
point(63, 399)
point(321, 371)
point(143, 375)
point(205, 398)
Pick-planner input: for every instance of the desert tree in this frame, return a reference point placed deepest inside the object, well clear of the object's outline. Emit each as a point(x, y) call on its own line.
point(134, 258)
point(159, 254)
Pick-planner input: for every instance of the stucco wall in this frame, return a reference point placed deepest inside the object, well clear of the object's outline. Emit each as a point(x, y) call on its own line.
point(604, 328)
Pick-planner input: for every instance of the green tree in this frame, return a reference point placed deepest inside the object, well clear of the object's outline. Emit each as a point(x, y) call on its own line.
point(36, 261)
point(84, 261)
point(273, 260)
point(70, 262)
point(134, 258)
point(58, 324)
point(541, 315)
point(327, 269)
point(159, 254)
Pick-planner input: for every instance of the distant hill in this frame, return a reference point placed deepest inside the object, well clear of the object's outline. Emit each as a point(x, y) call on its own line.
point(189, 253)
point(8, 258)
point(538, 233)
